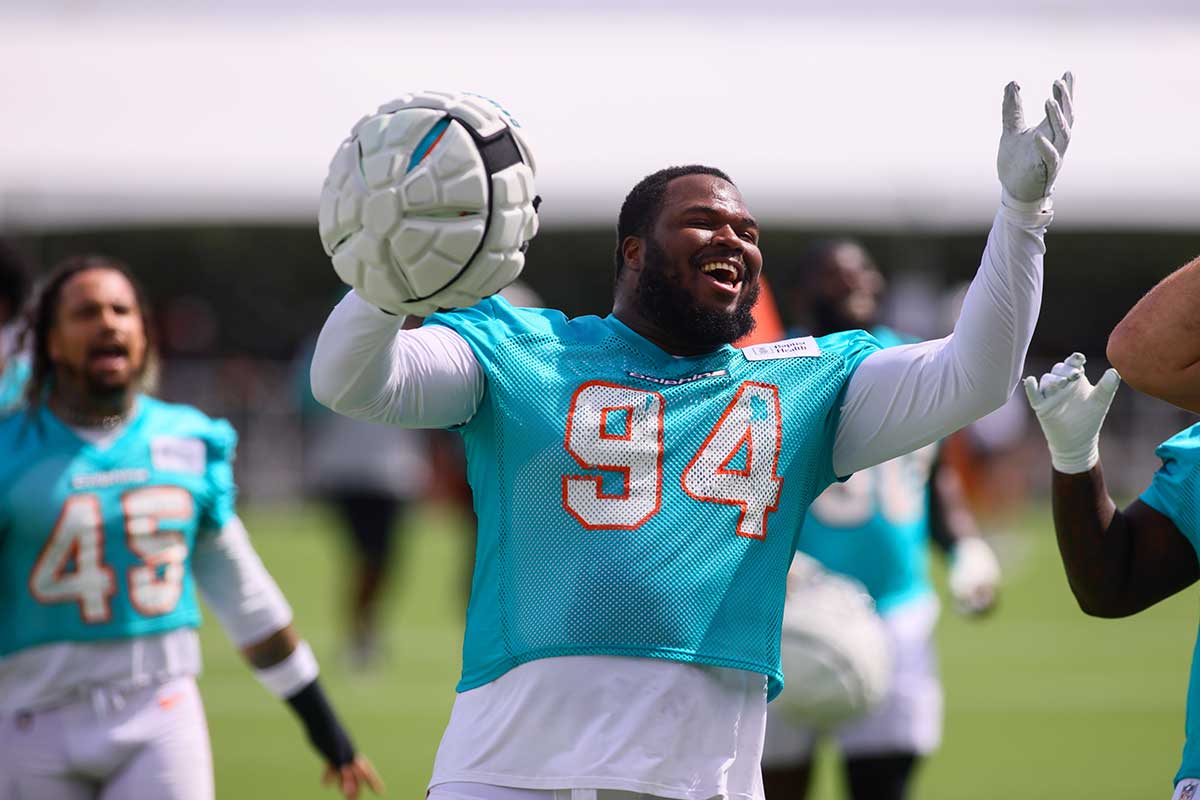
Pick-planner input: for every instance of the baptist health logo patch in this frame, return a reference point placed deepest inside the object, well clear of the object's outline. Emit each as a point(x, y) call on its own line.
point(800, 347)
point(177, 454)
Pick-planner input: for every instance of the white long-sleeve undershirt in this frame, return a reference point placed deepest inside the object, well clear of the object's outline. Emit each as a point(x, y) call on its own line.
point(365, 366)
point(898, 399)
point(235, 583)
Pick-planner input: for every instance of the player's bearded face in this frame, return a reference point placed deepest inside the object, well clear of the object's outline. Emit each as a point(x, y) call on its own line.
point(700, 264)
point(663, 296)
point(98, 340)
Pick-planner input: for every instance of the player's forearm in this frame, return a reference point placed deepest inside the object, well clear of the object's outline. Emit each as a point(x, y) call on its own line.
point(365, 366)
point(242, 594)
point(1094, 542)
point(903, 398)
point(285, 665)
point(272, 650)
point(1156, 347)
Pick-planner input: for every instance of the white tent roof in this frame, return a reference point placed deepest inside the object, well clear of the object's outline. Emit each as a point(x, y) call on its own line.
point(880, 121)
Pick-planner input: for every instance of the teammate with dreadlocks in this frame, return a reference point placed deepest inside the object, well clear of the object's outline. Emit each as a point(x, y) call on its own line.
point(114, 508)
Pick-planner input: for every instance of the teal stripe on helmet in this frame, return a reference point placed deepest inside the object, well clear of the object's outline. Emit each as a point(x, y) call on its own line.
point(427, 142)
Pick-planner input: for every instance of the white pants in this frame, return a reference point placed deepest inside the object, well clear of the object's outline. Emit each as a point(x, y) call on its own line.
point(910, 718)
point(110, 745)
point(1187, 789)
point(485, 791)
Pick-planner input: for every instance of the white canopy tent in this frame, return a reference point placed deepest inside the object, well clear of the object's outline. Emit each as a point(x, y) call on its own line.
point(136, 117)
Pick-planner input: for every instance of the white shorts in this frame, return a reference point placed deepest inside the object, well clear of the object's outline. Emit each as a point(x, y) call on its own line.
point(910, 718)
point(1187, 789)
point(486, 791)
point(148, 742)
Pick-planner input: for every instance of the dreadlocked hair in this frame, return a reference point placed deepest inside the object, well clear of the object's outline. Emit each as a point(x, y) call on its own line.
point(42, 313)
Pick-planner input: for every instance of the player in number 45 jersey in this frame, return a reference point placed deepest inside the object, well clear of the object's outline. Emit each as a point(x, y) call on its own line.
point(114, 508)
point(640, 483)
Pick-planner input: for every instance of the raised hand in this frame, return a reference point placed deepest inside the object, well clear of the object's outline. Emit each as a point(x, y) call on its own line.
point(1030, 158)
point(1071, 412)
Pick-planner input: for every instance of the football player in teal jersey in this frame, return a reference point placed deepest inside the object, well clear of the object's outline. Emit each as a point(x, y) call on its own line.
point(876, 527)
point(114, 509)
point(640, 483)
point(1122, 561)
point(14, 364)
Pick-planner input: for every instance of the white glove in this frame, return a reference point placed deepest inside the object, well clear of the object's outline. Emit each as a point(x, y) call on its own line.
point(1071, 412)
point(974, 576)
point(1030, 158)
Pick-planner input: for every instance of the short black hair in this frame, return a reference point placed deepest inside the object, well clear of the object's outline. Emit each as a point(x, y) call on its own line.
point(642, 205)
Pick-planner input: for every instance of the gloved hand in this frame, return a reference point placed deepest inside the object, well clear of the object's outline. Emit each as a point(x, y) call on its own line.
point(1030, 158)
point(1071, 411)
point(974, 576)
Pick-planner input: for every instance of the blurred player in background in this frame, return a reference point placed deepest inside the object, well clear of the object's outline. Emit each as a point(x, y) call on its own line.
point(1122, 561)
point(638, 480)
point(369, 475)
point(114, 508)
point(14, 364)
point(876, 528)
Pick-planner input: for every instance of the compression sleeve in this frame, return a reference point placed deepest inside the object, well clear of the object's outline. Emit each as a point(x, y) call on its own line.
point(366, 367)
point(903, 398)
point(236, 585)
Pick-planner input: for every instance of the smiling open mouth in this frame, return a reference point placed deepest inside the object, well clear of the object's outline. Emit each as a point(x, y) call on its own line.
point(723, 271)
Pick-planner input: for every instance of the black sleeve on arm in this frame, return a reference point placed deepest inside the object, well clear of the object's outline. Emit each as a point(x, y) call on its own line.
point(939, 530)
point(324, 731)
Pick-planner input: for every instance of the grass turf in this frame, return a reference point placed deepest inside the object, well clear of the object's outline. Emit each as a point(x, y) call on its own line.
point(1041, 701)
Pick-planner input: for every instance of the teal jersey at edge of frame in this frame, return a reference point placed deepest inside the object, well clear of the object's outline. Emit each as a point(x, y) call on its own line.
point(1175, 492)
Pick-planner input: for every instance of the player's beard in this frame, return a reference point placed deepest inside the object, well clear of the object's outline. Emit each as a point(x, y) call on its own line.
point(661, 299)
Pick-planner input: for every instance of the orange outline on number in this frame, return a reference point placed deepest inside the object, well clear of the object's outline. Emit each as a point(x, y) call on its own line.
point(599, 480)
point(604, 434)
point(775, 476)
point(73, 554)
point(147, 563)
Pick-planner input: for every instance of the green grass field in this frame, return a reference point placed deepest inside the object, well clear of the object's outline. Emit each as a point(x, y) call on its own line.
point(1042, 701)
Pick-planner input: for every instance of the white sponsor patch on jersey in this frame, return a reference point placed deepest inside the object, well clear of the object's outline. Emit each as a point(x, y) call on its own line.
point(800, 347)
point(177, 454)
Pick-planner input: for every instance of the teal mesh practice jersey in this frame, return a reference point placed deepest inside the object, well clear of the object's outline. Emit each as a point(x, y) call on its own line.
point(634, 503)
point(95, 543)
point(875, 526)
point(13, 378)
point(1175, 492)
